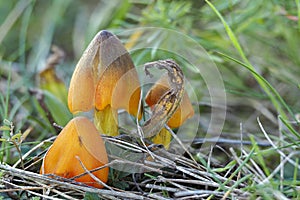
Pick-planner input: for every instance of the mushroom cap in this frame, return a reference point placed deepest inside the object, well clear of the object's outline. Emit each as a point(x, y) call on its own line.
point(183, 112)
point(105, 75)
point(79, 138)
point(118, 84)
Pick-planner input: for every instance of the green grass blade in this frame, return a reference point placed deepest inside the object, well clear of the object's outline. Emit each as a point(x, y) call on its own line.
point(235, 172)
point(262, 79)
point(291, 129)
point(12, 18)
point(236, 44)
point(259, 156)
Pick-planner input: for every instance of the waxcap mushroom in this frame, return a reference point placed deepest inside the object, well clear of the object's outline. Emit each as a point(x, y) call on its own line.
point(105, 79)
point(117, 87)
point(118, 84)
point(79, 139)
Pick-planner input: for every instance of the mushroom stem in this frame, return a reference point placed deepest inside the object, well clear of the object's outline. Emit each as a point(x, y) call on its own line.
point(106, 121)
point(163, 137)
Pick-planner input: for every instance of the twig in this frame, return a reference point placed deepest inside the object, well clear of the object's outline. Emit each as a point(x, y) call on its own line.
point(218, 140)
point(187, 171)
point(19, 152)
point(33, 149)
point(157, 197)
point(37, 177)
point(259, 173)
point(92, 175)
point(164, 180)
point(181, 144)
point(164, 188)
point(197, 192)
point(278, 168)
point(19, 189)
point(194, 182)
point(22, 188)
point(141, 166)
point(125, 144)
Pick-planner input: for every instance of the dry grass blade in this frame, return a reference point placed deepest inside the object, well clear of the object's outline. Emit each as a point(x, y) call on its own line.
point(197, 192)
point(33, 149)
point(274, 145)
point(62, 185)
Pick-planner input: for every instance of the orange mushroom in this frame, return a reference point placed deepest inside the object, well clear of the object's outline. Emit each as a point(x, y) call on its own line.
point(105, 78)
point(183, 112)
point(78, 140)
point(118, 86)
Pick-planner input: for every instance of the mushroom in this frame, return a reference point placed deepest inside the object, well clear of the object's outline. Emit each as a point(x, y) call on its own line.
point(117, 87)
point(79, 143)
point(183, 112)
point(106, 78)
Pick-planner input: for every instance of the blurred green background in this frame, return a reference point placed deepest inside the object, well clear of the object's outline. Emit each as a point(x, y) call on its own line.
point(267, 32)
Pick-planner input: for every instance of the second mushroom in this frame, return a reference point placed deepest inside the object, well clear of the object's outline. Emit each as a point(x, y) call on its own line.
point(105, 79)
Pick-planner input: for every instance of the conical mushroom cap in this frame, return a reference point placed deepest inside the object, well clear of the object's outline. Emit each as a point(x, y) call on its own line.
point(105, 75)
point(118, 84)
